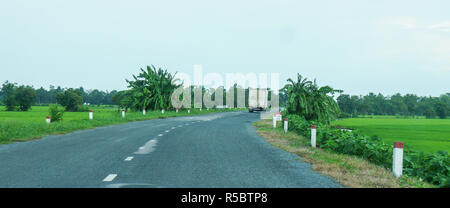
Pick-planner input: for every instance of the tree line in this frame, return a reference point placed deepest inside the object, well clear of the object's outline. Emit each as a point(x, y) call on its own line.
point(397, 104)
point(22, 97)
point(151, 89)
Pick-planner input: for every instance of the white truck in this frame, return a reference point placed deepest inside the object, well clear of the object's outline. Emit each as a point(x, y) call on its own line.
point(257, 100)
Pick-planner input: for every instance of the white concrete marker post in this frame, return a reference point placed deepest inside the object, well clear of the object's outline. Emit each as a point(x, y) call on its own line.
point(144, 112)
point(177, 110)
point(162, 111)
point(313, 136)
point(91, 115)
point(47, 120)
point(274, 121)
point(123, 113)
point(397, 163)
point(285, 125)
point(189, 111)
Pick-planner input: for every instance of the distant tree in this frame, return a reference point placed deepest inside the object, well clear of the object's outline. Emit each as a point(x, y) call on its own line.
point(109, 96)
point(71, 99)
point(283, 99)
point(53, 91)
point(410, 101)
point(42, 96)
point(9, 95)
point(25, 97)
point(430, 113)
point(345, 104)
point(95, 97)
point(441, 110)
point(1, 95)
point(123, 99)
point(398, 106)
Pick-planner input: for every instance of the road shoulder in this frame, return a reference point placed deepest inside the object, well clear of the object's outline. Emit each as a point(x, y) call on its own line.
point(350, 171)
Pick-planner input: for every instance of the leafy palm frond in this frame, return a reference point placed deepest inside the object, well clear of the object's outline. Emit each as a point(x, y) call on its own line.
point(309, 100)
point(152, 89)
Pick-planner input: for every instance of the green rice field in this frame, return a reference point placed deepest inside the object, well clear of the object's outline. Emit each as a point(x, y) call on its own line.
point(428, 135)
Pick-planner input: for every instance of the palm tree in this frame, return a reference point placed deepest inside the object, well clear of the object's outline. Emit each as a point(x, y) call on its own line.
point(309, 100)
point(297, 95)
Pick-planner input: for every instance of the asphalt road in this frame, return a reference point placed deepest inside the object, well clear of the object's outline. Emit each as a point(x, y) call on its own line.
point(215, 150)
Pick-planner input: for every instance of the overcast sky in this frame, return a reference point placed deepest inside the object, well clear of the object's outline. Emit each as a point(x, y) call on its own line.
point(358, 46)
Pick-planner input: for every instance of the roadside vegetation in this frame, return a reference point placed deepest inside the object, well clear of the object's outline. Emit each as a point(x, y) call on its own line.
point(309, 104)
point(350, 171)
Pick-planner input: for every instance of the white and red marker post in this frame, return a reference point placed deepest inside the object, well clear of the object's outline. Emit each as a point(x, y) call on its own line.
point(397, 163)
point(48, 120)
point(123, 113)
point(313, 136)
point(91, 114)
point(274, 121)
point(285, 125)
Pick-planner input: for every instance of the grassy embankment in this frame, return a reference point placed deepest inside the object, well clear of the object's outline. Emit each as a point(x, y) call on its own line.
point(428, 135)
point(350, 171)
point(24, 126)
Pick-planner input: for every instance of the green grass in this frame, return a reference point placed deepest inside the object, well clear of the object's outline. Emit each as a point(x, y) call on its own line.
point(23, 126)
point(350, 171)
point(428, 135)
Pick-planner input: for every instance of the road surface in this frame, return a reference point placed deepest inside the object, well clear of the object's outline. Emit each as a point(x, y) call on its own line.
point(215, 150)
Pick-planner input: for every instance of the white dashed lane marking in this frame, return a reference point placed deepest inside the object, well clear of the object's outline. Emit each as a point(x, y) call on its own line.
point(110, 178)
point(148, 147)
point(167, 131)
point(129, 158)
point(160, 135)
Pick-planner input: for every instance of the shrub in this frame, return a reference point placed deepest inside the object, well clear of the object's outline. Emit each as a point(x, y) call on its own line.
point(433, 168)
point(15, 96)
point(71, 99)
point(56, 113)
point(9, 95)
point(25, 97)
point(83, 108)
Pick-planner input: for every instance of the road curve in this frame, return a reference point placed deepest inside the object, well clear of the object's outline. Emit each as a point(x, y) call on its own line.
point(215, 150)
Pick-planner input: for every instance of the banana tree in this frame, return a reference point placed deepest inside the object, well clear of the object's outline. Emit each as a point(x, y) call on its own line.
point(152, 89)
